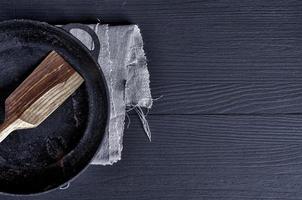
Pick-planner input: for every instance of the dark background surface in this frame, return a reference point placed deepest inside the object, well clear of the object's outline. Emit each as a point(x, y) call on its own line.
point(229, 125)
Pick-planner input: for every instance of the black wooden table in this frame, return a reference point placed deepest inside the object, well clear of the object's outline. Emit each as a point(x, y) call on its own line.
point(229, 125)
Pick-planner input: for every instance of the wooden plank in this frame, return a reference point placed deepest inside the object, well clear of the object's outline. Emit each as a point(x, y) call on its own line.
point(195, 157)
point(237, 98)
point(225, 41)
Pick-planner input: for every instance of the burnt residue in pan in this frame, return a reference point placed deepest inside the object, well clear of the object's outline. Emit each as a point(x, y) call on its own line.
point(60, 132)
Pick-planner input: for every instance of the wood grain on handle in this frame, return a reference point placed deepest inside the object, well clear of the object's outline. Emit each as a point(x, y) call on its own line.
point(43, 91)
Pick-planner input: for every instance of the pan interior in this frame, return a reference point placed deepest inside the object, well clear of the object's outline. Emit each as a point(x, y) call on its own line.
point(39, 159)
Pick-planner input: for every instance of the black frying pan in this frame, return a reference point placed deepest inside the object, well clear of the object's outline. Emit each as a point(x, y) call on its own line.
point(40, 159)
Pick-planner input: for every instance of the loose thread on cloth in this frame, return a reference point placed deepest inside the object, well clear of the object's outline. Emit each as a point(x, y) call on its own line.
point(142, 115)
point(144, 121)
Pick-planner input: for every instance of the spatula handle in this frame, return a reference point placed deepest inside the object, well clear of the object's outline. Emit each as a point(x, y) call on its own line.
point(6, 128)
point(11, 125)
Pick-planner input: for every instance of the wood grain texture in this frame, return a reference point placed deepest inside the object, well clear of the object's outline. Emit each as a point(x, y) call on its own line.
point(200, 157)
point(40, 94)
point(226, 98)
point(240, 62)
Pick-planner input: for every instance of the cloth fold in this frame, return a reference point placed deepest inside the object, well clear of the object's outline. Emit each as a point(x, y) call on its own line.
point(123, 62)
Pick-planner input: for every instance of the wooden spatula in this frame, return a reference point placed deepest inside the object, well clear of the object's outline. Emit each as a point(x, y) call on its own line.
point(40, 94)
